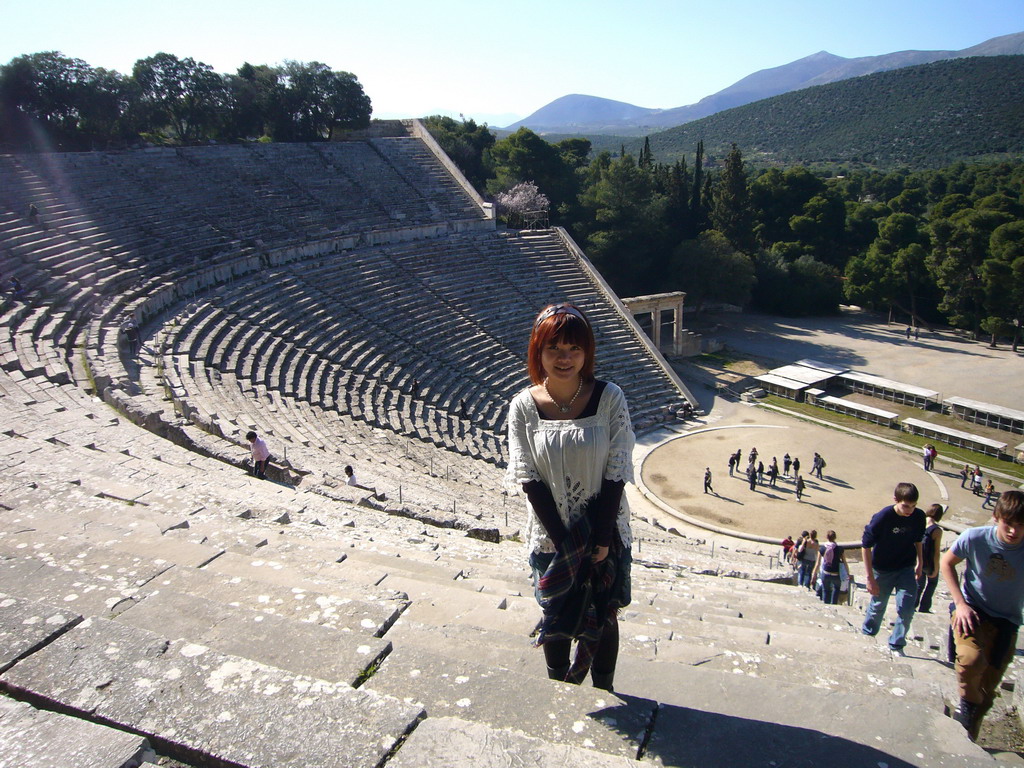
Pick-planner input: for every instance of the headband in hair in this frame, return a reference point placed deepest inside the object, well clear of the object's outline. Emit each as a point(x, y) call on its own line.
point(560, 309)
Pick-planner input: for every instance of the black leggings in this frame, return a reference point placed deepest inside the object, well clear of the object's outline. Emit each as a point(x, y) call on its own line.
point(556, 652)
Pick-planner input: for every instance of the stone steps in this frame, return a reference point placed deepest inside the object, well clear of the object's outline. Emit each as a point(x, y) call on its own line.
point(36, 737)
point(302, 648)
point(731, 720)
point(578, 716)
point(200, 705)
point(438, 740)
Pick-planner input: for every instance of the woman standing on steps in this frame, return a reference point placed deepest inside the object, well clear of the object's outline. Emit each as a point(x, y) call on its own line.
point(570, 451)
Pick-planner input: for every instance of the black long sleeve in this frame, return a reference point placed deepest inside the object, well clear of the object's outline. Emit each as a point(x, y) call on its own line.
point(543, 503)
point(606, 508)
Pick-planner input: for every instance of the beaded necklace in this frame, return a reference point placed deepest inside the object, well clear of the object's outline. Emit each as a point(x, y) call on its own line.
point(568, 406)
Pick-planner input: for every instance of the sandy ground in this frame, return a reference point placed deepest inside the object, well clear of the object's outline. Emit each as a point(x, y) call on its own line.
point(858, 479)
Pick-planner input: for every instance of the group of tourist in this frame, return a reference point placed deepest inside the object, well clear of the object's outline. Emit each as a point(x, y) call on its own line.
point(819, 567)
point(975, 480)
point(756, 471)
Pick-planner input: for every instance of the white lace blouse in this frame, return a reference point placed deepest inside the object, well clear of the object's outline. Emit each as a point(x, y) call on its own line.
point(571, 457)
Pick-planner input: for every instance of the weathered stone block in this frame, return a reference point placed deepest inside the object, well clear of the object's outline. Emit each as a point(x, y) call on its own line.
point(200, 705)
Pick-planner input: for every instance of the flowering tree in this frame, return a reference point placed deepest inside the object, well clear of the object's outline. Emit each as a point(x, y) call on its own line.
point(524, 205)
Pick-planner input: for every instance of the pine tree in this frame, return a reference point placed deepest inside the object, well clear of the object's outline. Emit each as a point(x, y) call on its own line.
point(697, 214)
point(677, 194)
point(646, 161)
point(730, 204)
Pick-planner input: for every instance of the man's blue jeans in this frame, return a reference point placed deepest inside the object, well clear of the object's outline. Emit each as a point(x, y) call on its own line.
point(904, 582)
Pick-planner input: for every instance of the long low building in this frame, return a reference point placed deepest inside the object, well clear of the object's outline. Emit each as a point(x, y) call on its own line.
point(887, 389)
point(791, 381)
point(954, 437)
point(986, 414)
point(852, 408)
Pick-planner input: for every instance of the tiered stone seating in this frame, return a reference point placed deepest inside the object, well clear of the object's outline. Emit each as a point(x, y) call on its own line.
point(211, 599)
point(149, 588)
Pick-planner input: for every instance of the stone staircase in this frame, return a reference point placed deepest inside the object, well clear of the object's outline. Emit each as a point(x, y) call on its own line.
point(193, 624)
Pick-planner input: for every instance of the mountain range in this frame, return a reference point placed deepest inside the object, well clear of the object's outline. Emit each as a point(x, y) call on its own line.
point(581, 114)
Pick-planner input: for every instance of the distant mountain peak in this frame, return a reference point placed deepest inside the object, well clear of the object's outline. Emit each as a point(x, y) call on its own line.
point(579, 113)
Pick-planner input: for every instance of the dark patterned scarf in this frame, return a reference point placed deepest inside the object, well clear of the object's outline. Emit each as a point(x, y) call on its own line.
point(576, 595)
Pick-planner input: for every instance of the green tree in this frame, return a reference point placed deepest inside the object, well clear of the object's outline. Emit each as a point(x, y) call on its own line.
point(525, 156)
point(466, 143)
point(961, 247)
point(1002, 276)
point(181, 94)
point(625, 238)
point(710, 269)
point(862, 225)
point(820, 228)
point(698, 211)
point(320, 101)
point(673, 182)
point(646, 161)
point(776, 197)
point(894, 269)
point(799, 288)
point(255, 103)
point(730, 204)
point(49, 101)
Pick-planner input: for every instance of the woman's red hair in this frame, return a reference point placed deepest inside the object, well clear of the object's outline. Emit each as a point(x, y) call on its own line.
point(560, 327)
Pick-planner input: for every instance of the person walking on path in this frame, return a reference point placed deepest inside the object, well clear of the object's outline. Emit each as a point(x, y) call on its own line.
point(990, 489)
point(930, 552)
point(773, 473)
point(976, 480)
point(260, 455)
point(732, 463)
point(965, 474)
point(830, 557)
point(800, 487)
point(707, 481)
point(893, 562)
point(817, 465)
point(786, 464)
point(987, 606)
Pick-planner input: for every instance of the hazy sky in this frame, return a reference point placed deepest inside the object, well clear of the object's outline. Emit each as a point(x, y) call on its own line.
point(500, 61)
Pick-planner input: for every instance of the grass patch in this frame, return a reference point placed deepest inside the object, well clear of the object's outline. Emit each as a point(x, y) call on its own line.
point(911, 442)
point(727, 360)
point(367, 673)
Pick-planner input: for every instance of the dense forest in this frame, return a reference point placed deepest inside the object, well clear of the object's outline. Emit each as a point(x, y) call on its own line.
point(934, 245)
point(50, 102)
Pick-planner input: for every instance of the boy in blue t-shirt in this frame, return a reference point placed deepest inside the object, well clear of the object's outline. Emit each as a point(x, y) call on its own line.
point(987, 605)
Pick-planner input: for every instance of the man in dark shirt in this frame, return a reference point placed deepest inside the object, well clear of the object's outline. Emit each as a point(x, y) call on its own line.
point(893, 561)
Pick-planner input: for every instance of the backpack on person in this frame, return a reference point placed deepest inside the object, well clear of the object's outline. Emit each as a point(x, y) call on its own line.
point(830, 558)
